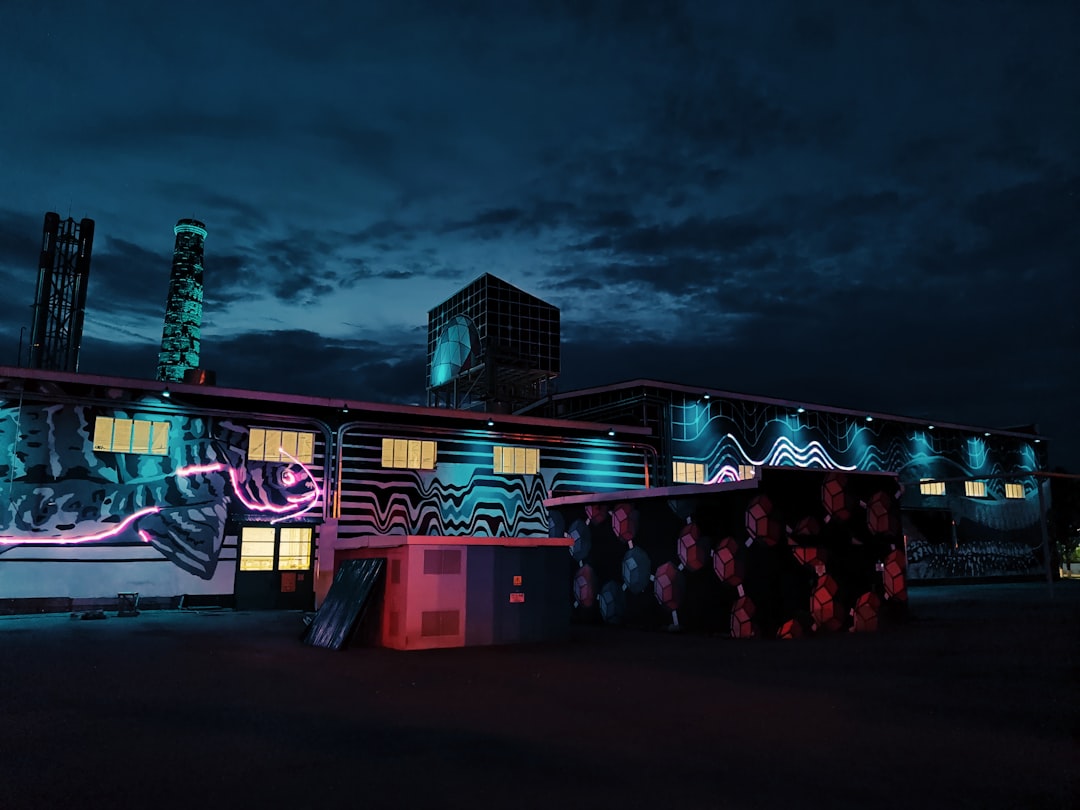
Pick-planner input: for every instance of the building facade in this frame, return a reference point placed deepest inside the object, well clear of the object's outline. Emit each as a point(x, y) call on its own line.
point(970, 506)
point(242, 498)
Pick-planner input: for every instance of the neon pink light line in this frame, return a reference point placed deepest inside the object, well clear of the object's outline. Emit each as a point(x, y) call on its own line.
point(89, 538)
point(285, 512)
point(195, 469)
point(314, 494)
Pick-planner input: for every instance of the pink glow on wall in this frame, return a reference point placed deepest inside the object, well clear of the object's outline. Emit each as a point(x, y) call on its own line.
point(87, 538)
point(296, 505)
point(196, 469)
point(283, 512)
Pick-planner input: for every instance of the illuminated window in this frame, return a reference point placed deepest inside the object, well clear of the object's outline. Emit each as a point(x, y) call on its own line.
point(266, 548)
point(975, 489)
point(266, 444)
point(294, 548)
point(687, 472)
point(408, 454)
point(928, 486)
point(131, 436)
point(519, 460)
point(1014, 490)
point(257, 548)
point(746, 472)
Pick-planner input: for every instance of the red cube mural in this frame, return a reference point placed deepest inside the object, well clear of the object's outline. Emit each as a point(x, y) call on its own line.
point(693, 549)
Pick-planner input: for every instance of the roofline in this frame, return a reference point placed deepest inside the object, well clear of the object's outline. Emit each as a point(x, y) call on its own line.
point(789, 403)
point(337, 403)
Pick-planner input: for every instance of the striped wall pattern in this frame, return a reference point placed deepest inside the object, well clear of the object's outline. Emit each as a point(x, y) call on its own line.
point(462, 496)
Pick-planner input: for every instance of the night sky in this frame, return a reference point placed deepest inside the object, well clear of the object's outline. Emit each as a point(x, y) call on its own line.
point(868, 205)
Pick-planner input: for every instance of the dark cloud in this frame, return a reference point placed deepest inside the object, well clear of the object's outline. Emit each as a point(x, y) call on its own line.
point(838, 203)
point(300, 362)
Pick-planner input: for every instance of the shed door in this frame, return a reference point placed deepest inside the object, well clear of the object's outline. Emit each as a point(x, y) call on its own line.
point(275, 569)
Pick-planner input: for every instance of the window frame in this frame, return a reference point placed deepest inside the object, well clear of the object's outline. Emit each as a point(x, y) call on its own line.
point(931, 487)
point(276, 540)
point(409, 454)
point(975, 489)
point(1014, 491)
point(686, 466)
point(299, 443)
point(515, 460)
point(152, 435)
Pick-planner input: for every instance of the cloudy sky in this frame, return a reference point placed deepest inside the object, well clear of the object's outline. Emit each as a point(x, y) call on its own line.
point(869, 205)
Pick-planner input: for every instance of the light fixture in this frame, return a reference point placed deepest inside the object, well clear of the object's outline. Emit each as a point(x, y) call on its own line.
point(166, 393)
point(706, 396)
point(1037, 441)
point(344, 407)
point(800, 410)
point(929, 427)
point(491, 423)
point(987, 433)
point(869, 418)
point(611, 431)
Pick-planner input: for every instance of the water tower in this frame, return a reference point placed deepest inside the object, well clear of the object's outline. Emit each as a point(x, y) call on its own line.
point(491, 347)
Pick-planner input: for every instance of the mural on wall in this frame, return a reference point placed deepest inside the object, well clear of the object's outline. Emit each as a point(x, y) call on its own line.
point(997, 535)
point(61, 492)
point(462, 496)
point(797, 553)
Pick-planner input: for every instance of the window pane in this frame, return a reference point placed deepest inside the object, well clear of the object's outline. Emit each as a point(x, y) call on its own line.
point(1014, 490)
point(273, 442)
point(388, 452)
point(121, 442)
point(427, 455)
point(497, 460)
point(294, 548)
point(305, 447)
point(519, 459)
point(930, 487)
point(288, 444)
point(533, 465)
point(414, 455)
point(140, 436)
point(257, 548)
point(159, 438)
point(103, 430)
point(401, 453)
point(257, 445)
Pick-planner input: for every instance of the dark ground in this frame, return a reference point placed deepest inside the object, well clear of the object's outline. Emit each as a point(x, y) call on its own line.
point(974, 703)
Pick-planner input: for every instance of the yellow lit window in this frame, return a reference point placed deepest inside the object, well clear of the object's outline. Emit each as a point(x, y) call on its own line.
point(1014, 490)
point(294, 548)
point(516, 460)
point(746, 472)
point(928, 486)
point(266, 444)
point(131, 436)
point(257, 548)
point(688, 472)
point(408, 454)
point(975, 489)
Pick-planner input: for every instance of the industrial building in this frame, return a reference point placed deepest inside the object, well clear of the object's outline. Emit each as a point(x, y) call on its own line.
point(503, 508)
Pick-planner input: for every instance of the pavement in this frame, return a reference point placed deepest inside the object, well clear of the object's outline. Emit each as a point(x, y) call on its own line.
point(972, 703)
